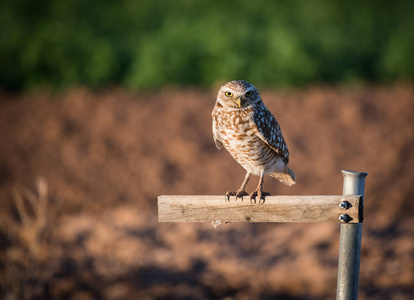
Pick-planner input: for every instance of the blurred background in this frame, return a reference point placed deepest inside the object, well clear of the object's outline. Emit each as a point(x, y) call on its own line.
point(105, 105)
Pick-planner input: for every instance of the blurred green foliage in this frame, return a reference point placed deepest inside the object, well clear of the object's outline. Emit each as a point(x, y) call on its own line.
point(148, 44)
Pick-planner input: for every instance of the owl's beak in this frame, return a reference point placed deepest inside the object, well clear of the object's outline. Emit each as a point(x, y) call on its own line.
point(239, 102)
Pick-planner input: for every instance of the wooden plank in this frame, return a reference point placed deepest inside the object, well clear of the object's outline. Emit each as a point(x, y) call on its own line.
point(275, 209)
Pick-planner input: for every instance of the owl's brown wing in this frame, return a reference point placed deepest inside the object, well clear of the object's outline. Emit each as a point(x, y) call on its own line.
point(216, 135)
point(269, 131)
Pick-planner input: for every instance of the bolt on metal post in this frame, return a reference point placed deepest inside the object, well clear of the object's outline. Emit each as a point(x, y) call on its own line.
point(350, 242)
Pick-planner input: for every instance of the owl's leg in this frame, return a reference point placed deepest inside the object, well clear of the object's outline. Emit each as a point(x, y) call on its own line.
point(259, 191)
point(241, 191)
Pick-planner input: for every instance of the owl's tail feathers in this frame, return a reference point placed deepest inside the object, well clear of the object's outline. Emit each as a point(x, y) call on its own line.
point(288, 177)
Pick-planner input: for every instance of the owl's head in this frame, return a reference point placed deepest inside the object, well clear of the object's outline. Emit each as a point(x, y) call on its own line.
point(238, 94)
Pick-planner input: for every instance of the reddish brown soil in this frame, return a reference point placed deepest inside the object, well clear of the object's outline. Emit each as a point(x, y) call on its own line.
point(105, 158)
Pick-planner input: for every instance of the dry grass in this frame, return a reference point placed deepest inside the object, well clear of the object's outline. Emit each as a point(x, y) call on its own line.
point(28, 256)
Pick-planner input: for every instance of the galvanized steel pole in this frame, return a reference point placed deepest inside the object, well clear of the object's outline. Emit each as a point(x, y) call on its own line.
point(350, 242)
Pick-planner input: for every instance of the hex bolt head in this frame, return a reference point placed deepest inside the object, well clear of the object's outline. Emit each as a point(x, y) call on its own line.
point(344, 204)
point(344, 218)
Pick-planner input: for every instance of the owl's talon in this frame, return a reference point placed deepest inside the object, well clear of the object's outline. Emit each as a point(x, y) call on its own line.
point(238, 194)
point(260, 194)
point(227, 196)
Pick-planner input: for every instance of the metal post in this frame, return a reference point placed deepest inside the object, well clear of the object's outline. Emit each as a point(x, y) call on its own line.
point(350, 242)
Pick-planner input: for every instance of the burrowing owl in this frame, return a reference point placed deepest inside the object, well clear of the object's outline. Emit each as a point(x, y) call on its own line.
point(249, 131)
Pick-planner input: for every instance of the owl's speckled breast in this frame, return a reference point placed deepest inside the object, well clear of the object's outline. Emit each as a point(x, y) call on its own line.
point(240, 137)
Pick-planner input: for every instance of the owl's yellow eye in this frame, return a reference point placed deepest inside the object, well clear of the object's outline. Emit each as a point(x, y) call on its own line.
point(228, 94)
point(249, 93)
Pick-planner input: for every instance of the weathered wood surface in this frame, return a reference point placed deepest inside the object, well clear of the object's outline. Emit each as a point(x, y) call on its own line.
point(275, 209)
